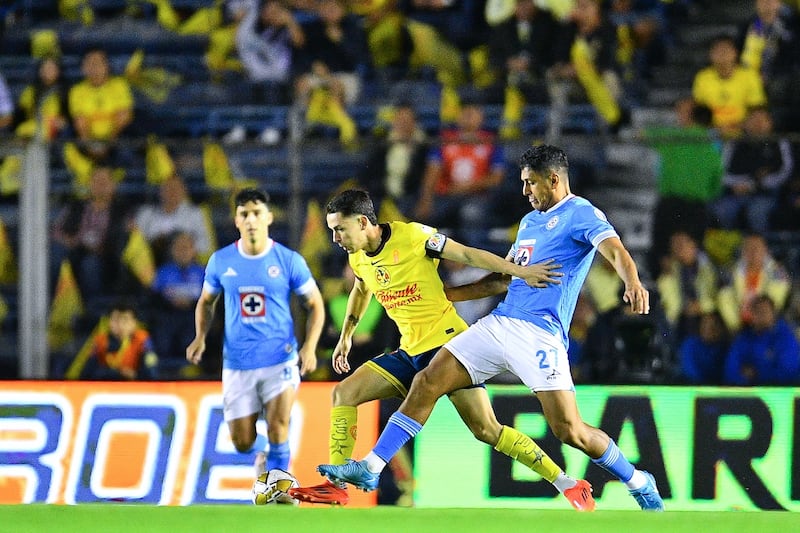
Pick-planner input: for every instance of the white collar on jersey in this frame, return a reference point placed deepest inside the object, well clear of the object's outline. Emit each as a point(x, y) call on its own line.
point(244, 254)
point(559, 204)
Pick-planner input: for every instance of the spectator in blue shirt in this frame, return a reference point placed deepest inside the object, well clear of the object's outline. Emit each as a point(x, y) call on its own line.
point(176, 287)
point(702, 354)
point(766, 352)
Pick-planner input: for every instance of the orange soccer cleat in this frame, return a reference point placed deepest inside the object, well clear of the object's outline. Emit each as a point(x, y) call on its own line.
point(327, 492)
point(580, 496)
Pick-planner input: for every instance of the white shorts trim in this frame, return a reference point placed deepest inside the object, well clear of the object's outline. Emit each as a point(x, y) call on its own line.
point(245, 392)
point(497, 344)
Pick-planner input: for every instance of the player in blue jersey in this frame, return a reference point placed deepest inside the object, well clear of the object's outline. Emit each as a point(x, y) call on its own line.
point(260, 352)
point(527, 333)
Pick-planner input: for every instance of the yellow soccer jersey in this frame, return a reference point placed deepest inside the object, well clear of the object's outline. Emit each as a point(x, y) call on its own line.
point(729, 99)
point(406, 282)
point(100, 104)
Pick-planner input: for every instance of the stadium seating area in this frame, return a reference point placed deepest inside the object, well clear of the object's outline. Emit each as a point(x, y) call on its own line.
point(614, 171)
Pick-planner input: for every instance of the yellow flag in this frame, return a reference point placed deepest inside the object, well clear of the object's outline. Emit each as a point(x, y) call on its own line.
point(314, 242)
point(389, 212)
point(208, 220)
point(8, 263)
point(67, 305)
point(10, 172)
point(44, 43)
point(138, 257)
point(158, 163)
point(75, 368)
point(80, 166)
point(203, 21)
point(216, 168)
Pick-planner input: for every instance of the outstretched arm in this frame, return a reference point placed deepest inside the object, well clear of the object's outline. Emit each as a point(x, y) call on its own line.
point(635, 293)
point(489, 285)
point(536, 275)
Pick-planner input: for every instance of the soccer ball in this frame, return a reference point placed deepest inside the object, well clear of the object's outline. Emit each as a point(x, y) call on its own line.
point(273, 488)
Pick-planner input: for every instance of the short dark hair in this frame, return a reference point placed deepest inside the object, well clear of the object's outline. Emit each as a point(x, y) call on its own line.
point(251, 195)
point(544, 157)
point(124, 305)
point(352, 202)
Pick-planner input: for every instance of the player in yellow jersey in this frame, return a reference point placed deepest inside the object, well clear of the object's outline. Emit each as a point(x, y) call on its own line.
point(397, 263)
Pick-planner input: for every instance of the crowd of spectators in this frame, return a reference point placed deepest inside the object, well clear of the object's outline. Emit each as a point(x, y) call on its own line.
point(723, 309)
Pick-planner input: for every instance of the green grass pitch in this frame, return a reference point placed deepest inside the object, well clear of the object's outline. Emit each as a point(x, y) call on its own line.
point(122, 518)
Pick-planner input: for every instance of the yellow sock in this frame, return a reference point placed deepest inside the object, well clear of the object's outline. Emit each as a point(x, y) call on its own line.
point(344, 421)
point(522, 448)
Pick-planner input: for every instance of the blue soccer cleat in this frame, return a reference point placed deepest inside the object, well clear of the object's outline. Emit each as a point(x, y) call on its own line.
point(648, 497)
point(354, 472)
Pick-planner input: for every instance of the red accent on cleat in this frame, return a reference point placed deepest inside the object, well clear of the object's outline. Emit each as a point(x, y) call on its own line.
point(580, 496)
point(325, 493)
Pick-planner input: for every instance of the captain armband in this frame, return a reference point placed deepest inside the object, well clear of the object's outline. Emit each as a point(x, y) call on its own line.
point(435, 244)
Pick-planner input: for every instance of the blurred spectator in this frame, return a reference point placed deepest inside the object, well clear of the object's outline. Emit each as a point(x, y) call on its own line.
point(728, 88)
point(330, 66)
point(388, 39)
point(641, 34)
point(461, 22)
point(687, 285)
point(6, 105)
point(461, 178)
point(521, 51)
point(42, 105)
point(621, 347)
point(703, 353)
point(176, 288)
point(586, 67)
point(582, 321)
point(267, 36)
point(766, 351)
point(689, 176)
point(92, 233)
point(174, 212)
point(394, 168)
point(266, 40)
point(770, 45)
point(122, 350)
point(101, 106)
point(755, 273)
point(757, 165)
point(786, 216)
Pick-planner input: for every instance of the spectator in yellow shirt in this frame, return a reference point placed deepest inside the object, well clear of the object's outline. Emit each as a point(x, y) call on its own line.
point(101, 105)
point(728, 88)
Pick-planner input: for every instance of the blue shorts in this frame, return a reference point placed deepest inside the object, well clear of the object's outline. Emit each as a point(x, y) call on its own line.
point(399, 368)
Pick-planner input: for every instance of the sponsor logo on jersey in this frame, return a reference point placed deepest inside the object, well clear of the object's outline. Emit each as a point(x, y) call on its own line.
point(552, 222)
point(274, 271)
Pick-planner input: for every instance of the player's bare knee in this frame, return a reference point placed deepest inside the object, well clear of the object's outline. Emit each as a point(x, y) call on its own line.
point(424, 385)
point(242, 443)
point(568, 433)
point(485, 433)
point(342, 395)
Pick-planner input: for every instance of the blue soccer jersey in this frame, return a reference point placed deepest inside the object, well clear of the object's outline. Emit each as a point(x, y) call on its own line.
point(259, 330)
point(568, 232)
